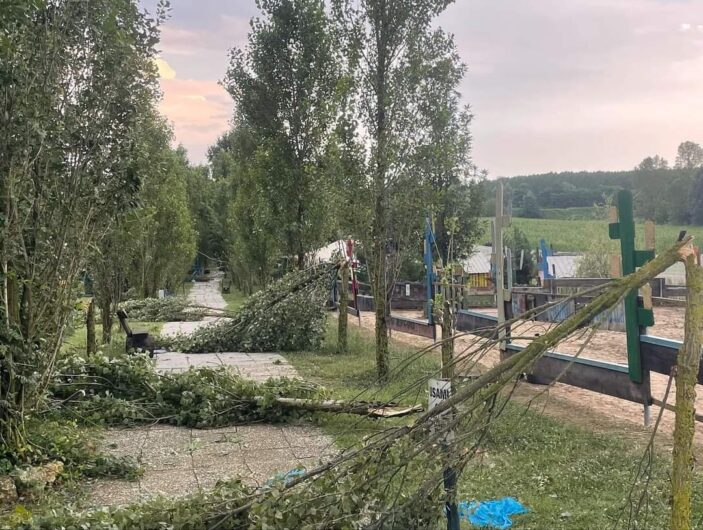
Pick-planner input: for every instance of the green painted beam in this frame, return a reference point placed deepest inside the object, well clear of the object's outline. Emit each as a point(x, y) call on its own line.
point(635, 317)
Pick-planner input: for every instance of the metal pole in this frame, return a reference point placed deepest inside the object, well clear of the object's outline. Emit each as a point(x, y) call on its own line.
point(499, 262)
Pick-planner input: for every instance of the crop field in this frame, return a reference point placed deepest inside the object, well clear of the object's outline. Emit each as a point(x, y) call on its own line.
point(577, 235)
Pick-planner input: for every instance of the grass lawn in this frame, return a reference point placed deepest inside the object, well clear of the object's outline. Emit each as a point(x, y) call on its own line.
point(76, 341)
point(234, 299)
point(568, 477)
point(576, 235)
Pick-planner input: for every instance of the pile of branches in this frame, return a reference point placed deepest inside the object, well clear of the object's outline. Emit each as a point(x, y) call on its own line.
point(289, 315)
point(170, 309)
point(127, 389)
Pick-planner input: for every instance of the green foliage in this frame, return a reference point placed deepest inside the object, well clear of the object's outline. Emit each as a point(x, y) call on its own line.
point(689, 155)
point(201, 511)
point(696, 199)
point(595, 261)
point(127, 389)
point(74, 79)
point(288, 315)
point(530, 208)
point(62, 440)
point(661, 193)
point(284, 84)
point(168, 309)
point(519, 245)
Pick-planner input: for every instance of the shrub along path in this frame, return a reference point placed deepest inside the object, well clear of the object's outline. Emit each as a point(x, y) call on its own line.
point(178, 460)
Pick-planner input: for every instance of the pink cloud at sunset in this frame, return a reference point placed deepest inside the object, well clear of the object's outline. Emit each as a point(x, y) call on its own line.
point(199, 110)
point(553, 85)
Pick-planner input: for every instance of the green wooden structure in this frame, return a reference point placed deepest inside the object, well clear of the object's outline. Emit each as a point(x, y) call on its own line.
point(636, 318)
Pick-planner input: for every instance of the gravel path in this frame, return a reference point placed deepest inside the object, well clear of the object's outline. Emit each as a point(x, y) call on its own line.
point(178, 460)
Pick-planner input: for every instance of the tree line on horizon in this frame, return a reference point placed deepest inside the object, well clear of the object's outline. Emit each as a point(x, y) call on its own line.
point(663, 192)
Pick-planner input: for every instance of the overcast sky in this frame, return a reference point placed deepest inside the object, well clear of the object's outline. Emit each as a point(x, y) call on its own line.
point(554, 84)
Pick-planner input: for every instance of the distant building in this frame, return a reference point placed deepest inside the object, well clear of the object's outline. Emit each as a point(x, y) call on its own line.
point(562, 265)
point(478, 268)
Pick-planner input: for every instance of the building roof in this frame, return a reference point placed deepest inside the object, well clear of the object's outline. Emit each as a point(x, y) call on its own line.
point(327, 252)
point(479, 262)
point(563, 266)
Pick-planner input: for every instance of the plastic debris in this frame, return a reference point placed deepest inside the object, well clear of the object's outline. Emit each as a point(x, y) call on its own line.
point(285, 477)
point(491, 514)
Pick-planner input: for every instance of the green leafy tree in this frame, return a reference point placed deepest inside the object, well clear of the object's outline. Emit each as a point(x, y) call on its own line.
point(697, 199)
point(595, 261)
point(284, 84)
point(74, 78)
point(389, 46)
point(530, 206)
point(251, 236)
point(519, 246)
point(689, 156)
point(444, 150)
point(653, 163)
point(161, 230)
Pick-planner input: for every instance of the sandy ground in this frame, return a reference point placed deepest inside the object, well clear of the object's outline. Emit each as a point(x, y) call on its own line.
point(179, 460)
point(582, 407)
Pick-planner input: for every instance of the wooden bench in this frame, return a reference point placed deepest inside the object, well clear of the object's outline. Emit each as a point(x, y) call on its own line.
point(136, 340)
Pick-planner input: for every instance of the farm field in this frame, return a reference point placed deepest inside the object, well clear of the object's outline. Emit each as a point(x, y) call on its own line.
point(577, 235)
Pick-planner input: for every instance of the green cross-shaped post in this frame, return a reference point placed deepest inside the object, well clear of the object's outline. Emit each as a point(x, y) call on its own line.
point(635, 317)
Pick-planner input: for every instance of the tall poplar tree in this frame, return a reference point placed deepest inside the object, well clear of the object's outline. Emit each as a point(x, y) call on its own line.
point(285, 84)
point(389, 45)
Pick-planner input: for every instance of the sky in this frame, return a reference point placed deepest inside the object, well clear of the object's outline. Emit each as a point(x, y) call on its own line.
point(554, 85)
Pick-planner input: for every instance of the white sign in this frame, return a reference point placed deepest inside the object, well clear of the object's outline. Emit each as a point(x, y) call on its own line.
point(407, 289)
point(440, 391)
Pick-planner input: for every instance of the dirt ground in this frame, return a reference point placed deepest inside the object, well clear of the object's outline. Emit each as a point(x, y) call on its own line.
point(575, 405)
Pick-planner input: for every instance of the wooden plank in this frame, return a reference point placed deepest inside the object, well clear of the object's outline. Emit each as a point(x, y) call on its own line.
point(470, 321)
point(412, 326)
point(659, 355)
point(606, 378)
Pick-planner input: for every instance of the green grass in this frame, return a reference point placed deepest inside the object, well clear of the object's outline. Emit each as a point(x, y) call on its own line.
point(234, 299)
point(76, 341)
point(569, 477)
point(577, 235)
point(577, 212)
point(349, 375)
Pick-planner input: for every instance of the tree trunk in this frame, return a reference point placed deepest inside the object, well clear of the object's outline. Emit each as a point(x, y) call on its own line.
point(447, 334)
point(379, 219)
point(91, 346)
point(106, 319)
point(342, 342)
point(687, 366)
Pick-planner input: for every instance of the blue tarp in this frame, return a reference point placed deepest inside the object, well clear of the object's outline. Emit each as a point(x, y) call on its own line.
point(286, 477)
point(491, 514)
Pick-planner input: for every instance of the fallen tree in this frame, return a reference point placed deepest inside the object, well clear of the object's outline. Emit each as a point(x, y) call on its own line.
point(394, 478)
point(289, 315)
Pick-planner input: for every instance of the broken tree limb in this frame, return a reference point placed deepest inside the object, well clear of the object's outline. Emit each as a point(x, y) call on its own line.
point(687, 366)
point(375, 410)
point(498, 376)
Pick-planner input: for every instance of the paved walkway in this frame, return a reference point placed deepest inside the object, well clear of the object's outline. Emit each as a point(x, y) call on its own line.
point(178, 460)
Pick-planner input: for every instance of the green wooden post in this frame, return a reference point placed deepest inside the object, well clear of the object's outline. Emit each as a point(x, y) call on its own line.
point(635, 317)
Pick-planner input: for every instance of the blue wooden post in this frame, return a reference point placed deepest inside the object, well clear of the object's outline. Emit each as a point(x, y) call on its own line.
point(429, 268)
